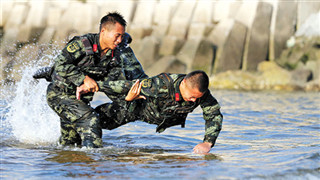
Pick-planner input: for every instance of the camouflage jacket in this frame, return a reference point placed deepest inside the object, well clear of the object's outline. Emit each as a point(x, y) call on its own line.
point(81, 57)
point(165, 106)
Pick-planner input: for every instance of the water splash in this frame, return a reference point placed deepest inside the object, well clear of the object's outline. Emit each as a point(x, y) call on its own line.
point(29, 118)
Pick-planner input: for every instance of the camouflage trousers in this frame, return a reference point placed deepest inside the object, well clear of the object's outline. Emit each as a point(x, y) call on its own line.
point(79, 122)
point(112, 115)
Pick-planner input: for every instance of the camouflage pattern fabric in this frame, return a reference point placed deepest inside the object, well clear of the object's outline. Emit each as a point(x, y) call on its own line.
point(162, 107)
point(79, 122)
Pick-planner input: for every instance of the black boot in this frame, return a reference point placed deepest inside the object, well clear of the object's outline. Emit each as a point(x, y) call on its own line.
point(44, 72)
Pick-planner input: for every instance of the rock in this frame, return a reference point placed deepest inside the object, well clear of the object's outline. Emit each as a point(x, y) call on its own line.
point(304, 50)
point(301, 76)
point(314, 66)
point(258, 40)
point(240, 80)
point(273, 77)
point(169, 64)
point(313, 86)
point(229, 38)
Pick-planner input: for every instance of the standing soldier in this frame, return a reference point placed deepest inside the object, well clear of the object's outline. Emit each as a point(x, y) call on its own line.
point(89, 60)
point(169, 99)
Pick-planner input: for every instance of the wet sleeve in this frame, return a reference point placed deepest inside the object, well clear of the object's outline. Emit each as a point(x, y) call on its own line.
point(132, 67)
point(115, 87)
point(149, 86)
point(65, 63)
point(213, 118)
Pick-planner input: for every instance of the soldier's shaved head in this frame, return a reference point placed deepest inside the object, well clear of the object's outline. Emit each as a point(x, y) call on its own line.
point(198, 79)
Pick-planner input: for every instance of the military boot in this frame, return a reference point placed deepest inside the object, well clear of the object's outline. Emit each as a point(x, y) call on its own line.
point(44, 72)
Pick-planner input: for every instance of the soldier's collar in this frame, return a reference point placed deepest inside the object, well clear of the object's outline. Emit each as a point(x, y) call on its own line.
point(177, 93)
point(96, 41)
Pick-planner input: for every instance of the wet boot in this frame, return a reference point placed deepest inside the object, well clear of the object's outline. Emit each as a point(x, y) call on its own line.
point(44, 72)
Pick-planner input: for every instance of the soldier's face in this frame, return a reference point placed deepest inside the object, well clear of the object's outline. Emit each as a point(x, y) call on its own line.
point(111, 37)
point(188, 93)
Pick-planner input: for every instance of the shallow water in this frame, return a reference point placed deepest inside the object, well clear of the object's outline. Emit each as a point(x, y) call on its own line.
point(265, 135)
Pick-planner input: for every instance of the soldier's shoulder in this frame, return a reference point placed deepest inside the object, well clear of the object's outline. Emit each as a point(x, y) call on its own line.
point(176, 76)
point(75, 45)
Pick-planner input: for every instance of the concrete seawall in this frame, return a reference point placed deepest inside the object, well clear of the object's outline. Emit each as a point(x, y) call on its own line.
point(170, 36)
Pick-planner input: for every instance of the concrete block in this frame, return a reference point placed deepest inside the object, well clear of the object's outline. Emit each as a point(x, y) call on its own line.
point(170, 45)
point(148, 51)
point(246, 13)
point(125, 8)
point(9, 40)
point(37, 14)
point(163, 12)
point(181, 19)
point(138, 32)
point(188, 52)
point(229, 38)
point(168, 64)
point(5, 12)
point(258, 38)
point(47, 36)
point(28, 33)
point(17, 16)
point(197, 54)
point(284, 26)
point(221, 10)
point(305, 9)
point(54, 16)
point(84, 21)
point(204, 57)
point(203, 12)
point(160, 30)
point(197, 30)
point(144, 13)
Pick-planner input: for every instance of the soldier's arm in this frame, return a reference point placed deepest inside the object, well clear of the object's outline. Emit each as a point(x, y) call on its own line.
point(149, 86)
point(115, 87)
point(65, 63)
point(213, 119)
point(132, 67)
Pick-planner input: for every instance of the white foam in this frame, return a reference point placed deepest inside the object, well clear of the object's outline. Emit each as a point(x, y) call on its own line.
point(31, 119)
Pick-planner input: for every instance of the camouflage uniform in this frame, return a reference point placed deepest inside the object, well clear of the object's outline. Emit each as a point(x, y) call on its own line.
point(79, 122)
point(164, 106)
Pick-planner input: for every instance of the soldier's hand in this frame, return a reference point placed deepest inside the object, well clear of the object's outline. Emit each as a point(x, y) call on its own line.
point(134, 92)
point(202, 148)
point(91, 84)
point(81, 90)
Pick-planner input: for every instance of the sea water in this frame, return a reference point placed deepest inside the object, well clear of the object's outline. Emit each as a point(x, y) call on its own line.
point(265, 135)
